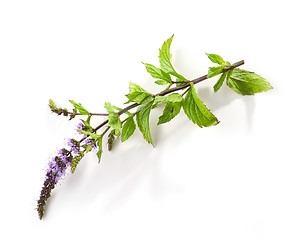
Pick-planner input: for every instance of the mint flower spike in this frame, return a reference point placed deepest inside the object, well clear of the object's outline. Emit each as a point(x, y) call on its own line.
point(74, 145)
point(56, 169)
point(178, 93)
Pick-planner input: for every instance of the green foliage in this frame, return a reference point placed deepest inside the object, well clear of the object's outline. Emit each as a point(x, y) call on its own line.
point(138, 94)
point(114, 122)
point(100, 151)
point(159, 74)
point(247, 83)
point(135, 88)
point(196, 110)
point(171, 110)
point(142, 119)
point(216, 58)
point(214, 71)
point(76, 160)
point(52, 105)
point(128, 129)
point(60, 111)
point(174, 97)
point(139, 97)
point(161, 82)
point(110, 108)
point(220, 82)
point(167, 69)
point(74, 163)
point(110, 139)
point(79, 107)
point(86, 124)
point(165, 56)
point(91, 134)
point(88, 148)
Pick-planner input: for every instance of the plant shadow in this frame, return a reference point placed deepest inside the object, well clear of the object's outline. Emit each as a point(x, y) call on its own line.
point(226, 96)
point(127, 167)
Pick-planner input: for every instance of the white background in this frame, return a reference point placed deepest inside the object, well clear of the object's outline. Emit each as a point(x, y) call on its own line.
point(229, 181)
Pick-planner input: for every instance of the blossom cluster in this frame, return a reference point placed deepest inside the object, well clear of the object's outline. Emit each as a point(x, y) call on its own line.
point(56, 169)
point(64, 159)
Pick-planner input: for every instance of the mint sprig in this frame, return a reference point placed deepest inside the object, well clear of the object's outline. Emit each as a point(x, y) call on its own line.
point(178, 93)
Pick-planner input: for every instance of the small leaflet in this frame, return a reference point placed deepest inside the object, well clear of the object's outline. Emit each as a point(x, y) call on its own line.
point(174, 97)
point(216, 58)
point(214, 71)
point(220, 82)
point(171, 110)
point(128, 129)
point(155, 72)
point(99, 152)
point(79, 107)
point(142, 119)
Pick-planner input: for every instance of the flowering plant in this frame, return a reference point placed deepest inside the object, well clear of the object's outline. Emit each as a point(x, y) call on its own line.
point(179, 93)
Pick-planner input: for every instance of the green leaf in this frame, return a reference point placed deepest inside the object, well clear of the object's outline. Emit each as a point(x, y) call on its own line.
point(86, 124)
point(80, 108)
point(247, 83)
point(161, 82)
point(111, 137)
point(165, 57)
point(197, 111)
point(52, 105)
point(135, 88)
point(138, 97)
point(213, 71)
point(100, 151)
point(128, 129)
point(142, 119)
point(216, 58)
point(229, 73)
point(88, 119)
point(174, 97)
point(88, 148)
point(110, 140)
point(220, 82)
point(158, 73)
point(109, 107)
point(137, 94)
point(171, 110)
point(93, 135)
point(114, 121)
point(75, 161)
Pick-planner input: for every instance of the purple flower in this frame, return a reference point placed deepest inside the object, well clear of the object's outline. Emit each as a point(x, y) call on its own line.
point(91, 142)
point(80, 126)
point(74, 145)
point(56, 169)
